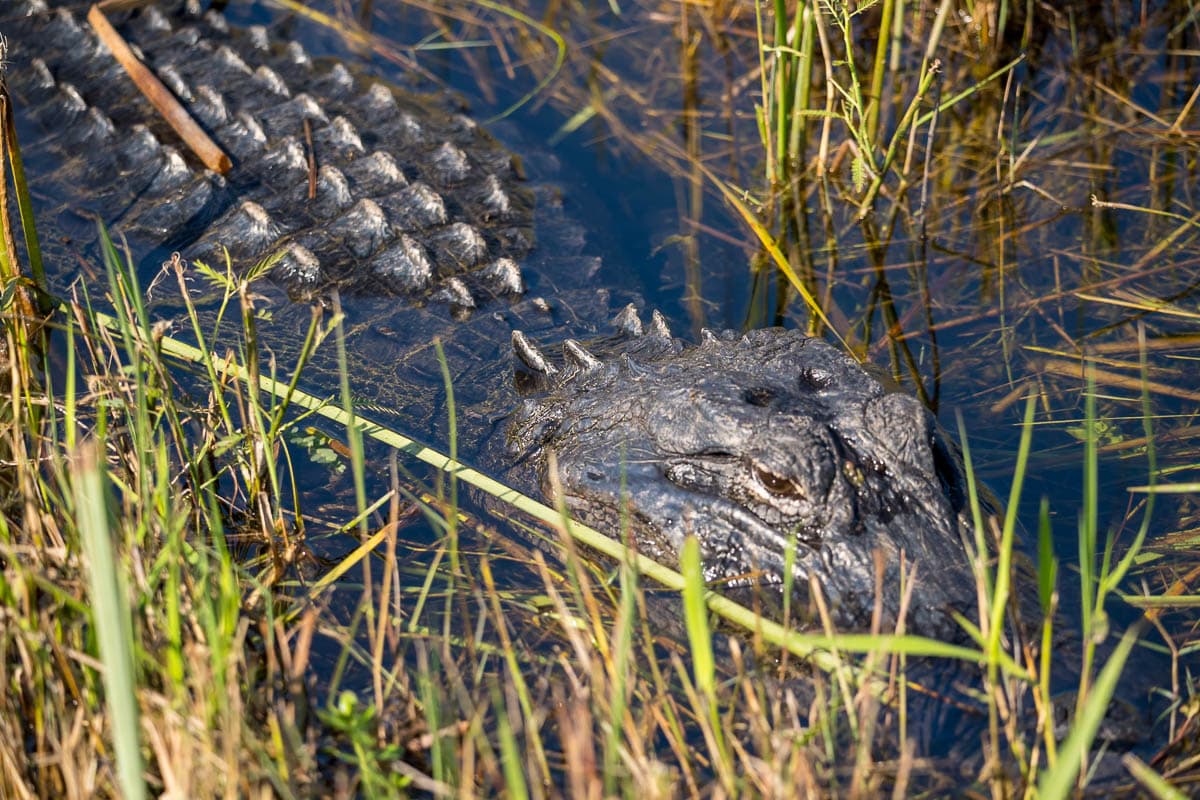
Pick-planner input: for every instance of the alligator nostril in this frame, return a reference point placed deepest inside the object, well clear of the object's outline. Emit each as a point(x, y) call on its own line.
point(759, 396)
point(815, 378)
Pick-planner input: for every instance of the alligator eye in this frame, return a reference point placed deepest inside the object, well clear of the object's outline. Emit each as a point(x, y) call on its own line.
point(775, 484)
point(760, 396)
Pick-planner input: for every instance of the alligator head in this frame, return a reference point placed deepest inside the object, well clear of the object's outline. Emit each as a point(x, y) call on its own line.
point(747, 441)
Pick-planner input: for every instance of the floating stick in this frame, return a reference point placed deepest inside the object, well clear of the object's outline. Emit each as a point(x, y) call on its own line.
point(160, 96)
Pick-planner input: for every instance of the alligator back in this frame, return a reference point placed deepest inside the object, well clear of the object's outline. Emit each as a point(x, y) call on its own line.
point(393, 197)
point(361, 185)
point(751, 443)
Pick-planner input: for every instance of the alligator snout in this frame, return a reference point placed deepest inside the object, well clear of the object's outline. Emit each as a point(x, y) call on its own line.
point(749, 442)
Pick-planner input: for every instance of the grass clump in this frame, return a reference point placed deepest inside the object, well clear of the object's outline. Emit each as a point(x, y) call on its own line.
point(441, 679)
point(116, 544)
point(222, 661)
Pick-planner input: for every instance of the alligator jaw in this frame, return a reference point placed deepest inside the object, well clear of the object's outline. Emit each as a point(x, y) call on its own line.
point(744, 556)
point(746, 443)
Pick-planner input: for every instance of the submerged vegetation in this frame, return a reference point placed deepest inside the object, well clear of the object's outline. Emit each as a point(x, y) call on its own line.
point(191, 608)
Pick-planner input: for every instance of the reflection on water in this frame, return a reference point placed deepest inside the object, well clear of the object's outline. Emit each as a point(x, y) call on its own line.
point(1049, 216)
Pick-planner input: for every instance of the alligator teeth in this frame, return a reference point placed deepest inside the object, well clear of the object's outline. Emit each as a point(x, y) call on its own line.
point(530, 355)
point(627, 321)
point(578, 356)
point(658, 325)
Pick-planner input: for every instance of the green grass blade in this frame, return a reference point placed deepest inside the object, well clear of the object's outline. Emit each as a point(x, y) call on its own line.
point(24, 205)
point(354, 432)
point(622, 636)
point(695, 613)
point(1059, 780)
point(1118, 573)
point(510, 751)
point(1047, 561)
point(1009, 532)
point(1088, 524)
point(560, 54)
point(1151, 781)
point(110, 614)
point(452, 434)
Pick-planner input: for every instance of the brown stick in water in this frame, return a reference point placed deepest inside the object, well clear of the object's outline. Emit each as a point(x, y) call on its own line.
point(160, 96)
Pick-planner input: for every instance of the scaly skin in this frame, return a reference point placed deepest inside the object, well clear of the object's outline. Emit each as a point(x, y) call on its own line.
point(745, 441)
point(411, 198)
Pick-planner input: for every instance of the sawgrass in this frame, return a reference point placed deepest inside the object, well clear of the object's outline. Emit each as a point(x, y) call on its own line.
point(443, 680)
point(179, 543)
point(111, 618)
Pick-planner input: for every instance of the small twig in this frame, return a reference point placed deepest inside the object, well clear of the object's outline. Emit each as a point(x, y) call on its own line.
point(1185, 112)
point(312, 160)
point(1106, 377)
point(927, 79)
point(160, 96)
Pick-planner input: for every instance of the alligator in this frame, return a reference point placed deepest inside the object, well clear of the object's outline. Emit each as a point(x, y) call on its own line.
point(759, 444)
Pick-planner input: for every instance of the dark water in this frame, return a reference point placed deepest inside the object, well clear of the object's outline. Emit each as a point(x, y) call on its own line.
point(989, 304)
point(985, 295)
point(989, 286)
